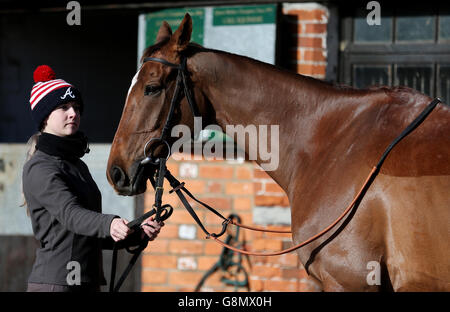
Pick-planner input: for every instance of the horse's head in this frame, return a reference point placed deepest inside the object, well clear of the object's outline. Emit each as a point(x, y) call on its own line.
point(157, 86)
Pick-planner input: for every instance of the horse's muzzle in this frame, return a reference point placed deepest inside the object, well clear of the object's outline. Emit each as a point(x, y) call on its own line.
point(133, 184)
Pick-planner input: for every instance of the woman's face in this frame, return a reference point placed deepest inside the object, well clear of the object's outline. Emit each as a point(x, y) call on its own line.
point(63, 120)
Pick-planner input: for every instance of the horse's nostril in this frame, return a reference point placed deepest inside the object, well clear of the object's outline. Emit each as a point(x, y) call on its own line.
point(118, 176)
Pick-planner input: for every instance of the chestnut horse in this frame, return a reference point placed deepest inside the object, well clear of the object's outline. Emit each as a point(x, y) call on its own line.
point(329, 139)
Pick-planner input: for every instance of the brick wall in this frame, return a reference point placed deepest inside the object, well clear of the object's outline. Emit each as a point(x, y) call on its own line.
point(181, 255)
point(307, 25)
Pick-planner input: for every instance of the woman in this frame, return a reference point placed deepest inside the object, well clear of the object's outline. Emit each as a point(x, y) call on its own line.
point(63, 200)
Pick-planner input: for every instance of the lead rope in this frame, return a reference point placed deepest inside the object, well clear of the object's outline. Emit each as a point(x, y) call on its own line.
point(215, 237)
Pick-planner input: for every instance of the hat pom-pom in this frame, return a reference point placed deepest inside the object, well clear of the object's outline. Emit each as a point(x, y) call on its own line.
point(43, 73)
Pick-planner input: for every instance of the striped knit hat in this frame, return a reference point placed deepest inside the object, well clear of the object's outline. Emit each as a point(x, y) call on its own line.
point(48, 93)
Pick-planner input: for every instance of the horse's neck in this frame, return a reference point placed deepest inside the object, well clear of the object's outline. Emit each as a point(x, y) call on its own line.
point(249, 93)
point(237, 85)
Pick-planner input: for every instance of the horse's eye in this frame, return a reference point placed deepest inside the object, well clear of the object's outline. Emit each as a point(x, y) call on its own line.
point(152, 89)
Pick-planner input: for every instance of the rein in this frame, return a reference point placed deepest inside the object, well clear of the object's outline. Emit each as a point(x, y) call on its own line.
point(164, 211)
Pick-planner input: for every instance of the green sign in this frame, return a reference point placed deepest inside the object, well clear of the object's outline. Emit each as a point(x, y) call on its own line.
point(245, 15)
point(174, 17)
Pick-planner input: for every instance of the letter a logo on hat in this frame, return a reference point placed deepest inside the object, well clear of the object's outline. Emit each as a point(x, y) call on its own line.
point(48, 93)
point(68, 93)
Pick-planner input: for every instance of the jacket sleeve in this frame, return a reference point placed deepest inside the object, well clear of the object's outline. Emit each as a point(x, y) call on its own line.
point(47, 187)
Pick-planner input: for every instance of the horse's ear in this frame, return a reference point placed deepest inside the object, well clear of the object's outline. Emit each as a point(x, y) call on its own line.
point(164, 32)
point(182, 35)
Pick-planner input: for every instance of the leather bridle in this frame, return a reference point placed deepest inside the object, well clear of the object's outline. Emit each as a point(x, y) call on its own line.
point(181, 86)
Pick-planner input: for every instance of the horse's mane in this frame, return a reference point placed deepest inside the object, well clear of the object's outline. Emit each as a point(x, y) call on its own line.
point(194, 48)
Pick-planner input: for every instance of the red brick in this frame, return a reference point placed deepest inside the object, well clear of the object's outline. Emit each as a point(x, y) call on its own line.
point(285, 260)
point(185, 247)
point(316, 28)
point(152, 261)
point(265, 271)
point(261, 174)
point(304, 15)
point(159, 246)
point(154, 276)
point(213, 220)
point(242, 203)
point(194, 186)
point(243, 173)
point(309, 42)
point(213, 187)
point(311, 69)
point(173, 167)
point(280, 285)
point(216, 172)
point(314, 56)
point(183, 217)
point(218, 203)
point(171, 199)
point(269, 200)
point(239, 188)
point(258, 187)
point(281, 273)
point(256, 284)
point(212, 248)
point(206, 262)
point(185, 288)
point(187, 263)
point(247, 217)
point(274, 188)
point(267, 245)
point(157, 288)
point(168, 231)
point(184, 278)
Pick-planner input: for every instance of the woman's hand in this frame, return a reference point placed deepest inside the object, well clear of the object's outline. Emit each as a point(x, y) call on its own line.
point(151, 228)
point(119, 229)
